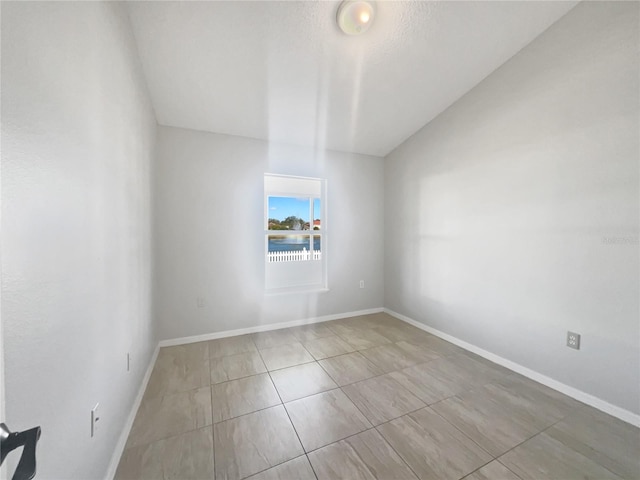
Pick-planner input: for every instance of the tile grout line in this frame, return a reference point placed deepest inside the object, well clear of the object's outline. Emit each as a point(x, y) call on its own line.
point(272, 406)
point(213, 437)
point(311, 465)
point(431, 409)
point(266, 408)
point(544, 430)
point(394, 450)
point(493, 458)
point(496, 458)
point(390, 342)
point(482, 466)
point(327, 358)
point(374, 427)
point(304, 451)
point(213, 424)
point(440, 356)
point(275, 466)
point(304, 454)
point(213, 430)
point(407, 413)
point(515, 446)
point(342, 439)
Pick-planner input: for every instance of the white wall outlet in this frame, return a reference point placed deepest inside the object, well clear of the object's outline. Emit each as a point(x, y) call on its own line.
point(361, 283)
point(94, 420)
point(200, 302)
point(573, 340)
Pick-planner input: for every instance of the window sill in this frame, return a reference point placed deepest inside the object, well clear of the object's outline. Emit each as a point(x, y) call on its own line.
point(295, 290)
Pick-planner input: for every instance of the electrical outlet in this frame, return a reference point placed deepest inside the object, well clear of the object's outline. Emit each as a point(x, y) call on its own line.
point(128, 362)
point(361, 283)
point(573, 340)
point(94, 420)
point(200, 302)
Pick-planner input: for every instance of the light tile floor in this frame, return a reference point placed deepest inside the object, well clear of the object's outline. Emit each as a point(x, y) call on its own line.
point(362, 398)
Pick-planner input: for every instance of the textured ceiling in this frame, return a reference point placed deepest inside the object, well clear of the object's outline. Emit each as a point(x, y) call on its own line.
point(282, 71)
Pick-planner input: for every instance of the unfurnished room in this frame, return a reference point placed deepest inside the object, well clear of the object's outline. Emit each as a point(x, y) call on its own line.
point(320, 240)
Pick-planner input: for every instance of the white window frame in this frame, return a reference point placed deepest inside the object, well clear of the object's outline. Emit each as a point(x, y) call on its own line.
point(304, 275)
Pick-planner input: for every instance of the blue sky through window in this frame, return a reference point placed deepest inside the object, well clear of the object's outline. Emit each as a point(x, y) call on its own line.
point(283, 207)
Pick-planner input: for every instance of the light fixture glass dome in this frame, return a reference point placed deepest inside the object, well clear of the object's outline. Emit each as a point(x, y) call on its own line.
point(355, 16)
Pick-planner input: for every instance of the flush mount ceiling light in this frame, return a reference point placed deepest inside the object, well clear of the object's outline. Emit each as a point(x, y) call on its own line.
point(355, 16)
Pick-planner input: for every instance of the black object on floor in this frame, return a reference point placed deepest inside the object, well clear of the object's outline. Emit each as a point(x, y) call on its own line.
point(9, 441)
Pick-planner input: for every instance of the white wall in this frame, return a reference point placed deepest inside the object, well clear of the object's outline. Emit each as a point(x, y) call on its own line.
point(210, 239)
point(77, 143)
point(498, 213)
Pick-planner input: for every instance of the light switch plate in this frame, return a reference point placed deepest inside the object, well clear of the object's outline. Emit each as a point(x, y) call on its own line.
point(94, 420)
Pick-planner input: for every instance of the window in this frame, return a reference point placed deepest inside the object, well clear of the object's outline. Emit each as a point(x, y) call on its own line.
point(295, 233)
point(292, 222)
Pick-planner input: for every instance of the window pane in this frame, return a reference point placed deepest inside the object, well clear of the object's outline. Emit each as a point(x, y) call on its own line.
point(286, 243)
point(288, 213)
point(288, 248)
point(317, 214)
point(317, 250)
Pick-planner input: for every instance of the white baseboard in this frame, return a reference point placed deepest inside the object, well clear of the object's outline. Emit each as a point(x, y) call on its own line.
point(122, 441)
point(602, 405)
point(263, 328)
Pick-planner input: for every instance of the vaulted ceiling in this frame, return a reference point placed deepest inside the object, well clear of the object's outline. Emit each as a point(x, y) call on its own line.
point(283, 71)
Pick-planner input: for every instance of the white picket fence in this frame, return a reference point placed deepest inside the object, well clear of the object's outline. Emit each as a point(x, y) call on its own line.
point(294, 256)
